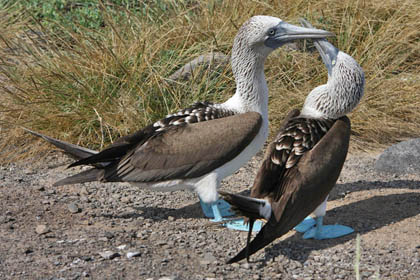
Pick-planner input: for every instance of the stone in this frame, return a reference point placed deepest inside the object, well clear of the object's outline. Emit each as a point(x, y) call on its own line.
point(109, 255)
point(133, 254)
point(207, 259)
point(73, 208)
point(400, 158)
point(42, 229)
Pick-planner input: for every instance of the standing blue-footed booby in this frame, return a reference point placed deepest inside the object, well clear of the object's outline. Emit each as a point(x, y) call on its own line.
point(195, 148)
point(303, 163)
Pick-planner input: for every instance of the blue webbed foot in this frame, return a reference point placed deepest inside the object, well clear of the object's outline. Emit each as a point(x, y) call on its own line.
point(223, 208)
point(216, 211)
point(240, 225)
point(305, 225)
point(326, 232)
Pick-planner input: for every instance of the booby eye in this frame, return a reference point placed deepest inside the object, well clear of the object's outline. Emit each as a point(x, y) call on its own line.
point(271, 32)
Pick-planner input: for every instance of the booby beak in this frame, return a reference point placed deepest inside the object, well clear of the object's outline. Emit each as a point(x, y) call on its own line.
point(327, 51)
point(285, 32)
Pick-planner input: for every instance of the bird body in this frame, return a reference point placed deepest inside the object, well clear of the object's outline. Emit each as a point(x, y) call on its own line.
point(302, 187)
point(197, 147)
point(303, 163)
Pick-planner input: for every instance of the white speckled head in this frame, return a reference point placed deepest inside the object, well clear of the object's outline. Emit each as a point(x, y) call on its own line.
point(343, 91)
point(263, 34)
point(345, 86)
point(256, 39)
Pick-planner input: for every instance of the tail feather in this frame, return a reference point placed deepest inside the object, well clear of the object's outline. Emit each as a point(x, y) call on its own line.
point(259, 242)
point(252, 208)
point(90, 175)
point(75, 151)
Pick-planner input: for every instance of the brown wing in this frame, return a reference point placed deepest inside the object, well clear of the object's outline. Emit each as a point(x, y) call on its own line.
point(187, 151)
point(297, 136)
point(197, 112)
point(306, 185)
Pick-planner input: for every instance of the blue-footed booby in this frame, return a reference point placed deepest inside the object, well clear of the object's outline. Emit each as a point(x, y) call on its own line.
point(303, 163)
point(195, 148)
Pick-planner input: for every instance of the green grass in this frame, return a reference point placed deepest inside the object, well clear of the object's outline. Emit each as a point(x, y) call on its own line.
point(100, 70)
point(357, 257)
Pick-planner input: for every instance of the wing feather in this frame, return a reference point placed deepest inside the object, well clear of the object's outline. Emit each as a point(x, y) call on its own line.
point(187, 151)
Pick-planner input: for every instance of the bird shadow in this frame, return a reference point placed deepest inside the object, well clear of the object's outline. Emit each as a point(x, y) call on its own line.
point(364, 216)
point(193, 211)
point(156, 213)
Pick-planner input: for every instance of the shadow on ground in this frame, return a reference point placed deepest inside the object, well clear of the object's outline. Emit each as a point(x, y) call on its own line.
point(364, 216)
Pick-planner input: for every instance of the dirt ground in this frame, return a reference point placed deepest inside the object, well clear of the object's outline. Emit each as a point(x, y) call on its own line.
point(91, 231)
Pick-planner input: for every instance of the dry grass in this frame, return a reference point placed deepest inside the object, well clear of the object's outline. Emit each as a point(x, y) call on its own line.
point(93, 86)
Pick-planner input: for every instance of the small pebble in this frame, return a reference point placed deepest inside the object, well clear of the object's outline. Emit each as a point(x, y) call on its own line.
point(246, 265)
point(133, 254)
point(122, 247)
point(73, 208)
point(42, 229)
point(109, 255)
point(28, 251)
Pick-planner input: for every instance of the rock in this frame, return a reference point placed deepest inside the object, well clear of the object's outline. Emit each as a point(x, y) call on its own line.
point(168, 278)
point(400, 158)
point(73, 208)
point(42, 229)
point(87, 258)
point(109, 255)
point(28, 251)
point(109, 235)
point(133, 254)
point(207, 259)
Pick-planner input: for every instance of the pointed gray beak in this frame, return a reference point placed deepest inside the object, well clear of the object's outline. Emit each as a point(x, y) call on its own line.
point(285, 32)
point(327, 51)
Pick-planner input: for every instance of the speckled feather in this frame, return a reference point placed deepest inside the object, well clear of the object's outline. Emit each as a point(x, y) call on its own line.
point(197, 112)
point(300, 135)
point(297, 137)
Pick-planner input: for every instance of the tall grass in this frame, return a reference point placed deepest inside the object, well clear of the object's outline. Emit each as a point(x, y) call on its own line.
point(89, 85)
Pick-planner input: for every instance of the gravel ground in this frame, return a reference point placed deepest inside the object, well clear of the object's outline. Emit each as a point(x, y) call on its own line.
point(116, 231)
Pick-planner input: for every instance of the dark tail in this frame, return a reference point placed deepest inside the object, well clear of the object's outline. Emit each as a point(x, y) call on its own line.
point(75, 151)
point(90, 175)
point(244, 205)
point(260, 241)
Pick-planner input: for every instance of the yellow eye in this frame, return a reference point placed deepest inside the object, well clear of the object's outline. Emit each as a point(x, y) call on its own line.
point(271, 32)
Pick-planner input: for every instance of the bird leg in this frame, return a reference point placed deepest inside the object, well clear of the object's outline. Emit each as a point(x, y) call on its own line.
point(251, 224)
point(216, 211)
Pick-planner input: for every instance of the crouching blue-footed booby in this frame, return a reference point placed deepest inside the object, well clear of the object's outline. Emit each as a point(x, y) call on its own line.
point(195, 148)
point(303, 163)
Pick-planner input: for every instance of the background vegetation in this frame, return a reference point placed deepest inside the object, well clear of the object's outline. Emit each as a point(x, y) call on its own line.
point(89, 71)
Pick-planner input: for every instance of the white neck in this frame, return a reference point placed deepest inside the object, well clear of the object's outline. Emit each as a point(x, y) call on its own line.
point(340, 95)
point(251, 87)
